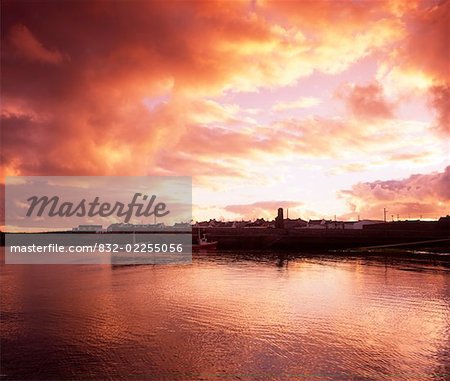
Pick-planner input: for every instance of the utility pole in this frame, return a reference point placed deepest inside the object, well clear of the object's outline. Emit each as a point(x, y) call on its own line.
point(385, 211)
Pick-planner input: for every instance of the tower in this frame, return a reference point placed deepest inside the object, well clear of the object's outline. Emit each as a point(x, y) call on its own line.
point(279, 220)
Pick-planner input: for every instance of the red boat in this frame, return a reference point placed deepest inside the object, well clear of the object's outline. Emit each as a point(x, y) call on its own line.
point(203, 244)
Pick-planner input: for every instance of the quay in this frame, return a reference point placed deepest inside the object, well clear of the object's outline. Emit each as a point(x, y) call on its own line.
point(425, 233)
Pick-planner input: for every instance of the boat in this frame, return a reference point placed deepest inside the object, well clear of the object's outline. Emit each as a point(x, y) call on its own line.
point(203, 244)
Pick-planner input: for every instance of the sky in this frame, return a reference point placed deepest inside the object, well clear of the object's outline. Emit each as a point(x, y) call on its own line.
point(323, 108)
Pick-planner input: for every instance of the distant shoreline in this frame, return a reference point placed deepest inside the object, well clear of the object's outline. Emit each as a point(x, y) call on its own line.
point(374, 238)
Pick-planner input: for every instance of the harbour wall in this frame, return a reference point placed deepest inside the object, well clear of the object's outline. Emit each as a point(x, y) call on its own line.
point(268, 238)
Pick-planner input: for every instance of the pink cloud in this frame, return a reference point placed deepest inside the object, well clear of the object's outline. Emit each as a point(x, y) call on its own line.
point(425, 48)
point(367, 102)
point(422, 57)
point(421, 194)
point(440, 100)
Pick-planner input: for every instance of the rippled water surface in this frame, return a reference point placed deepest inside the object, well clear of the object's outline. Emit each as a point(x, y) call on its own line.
point(227, 317)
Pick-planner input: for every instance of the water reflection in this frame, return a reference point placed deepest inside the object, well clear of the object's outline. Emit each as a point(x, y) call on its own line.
point(273, 317)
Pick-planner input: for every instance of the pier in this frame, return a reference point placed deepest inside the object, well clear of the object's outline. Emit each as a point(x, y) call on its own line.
point(402, 234)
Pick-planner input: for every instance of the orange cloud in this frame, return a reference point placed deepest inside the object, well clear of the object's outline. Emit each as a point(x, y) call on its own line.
point(88, 114)
point(410, 156)
point(97, 88)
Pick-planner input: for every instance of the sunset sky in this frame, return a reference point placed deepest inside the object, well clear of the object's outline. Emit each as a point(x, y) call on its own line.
point(325, 108)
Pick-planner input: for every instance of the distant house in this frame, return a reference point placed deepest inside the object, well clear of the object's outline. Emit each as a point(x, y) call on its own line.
point(121, 227)
point(207, 224)
point(344, 225)
point(444, 221)
point(88, 228)
point(317, 224)
point(294, 224)
point(258, 223)
point(340, 225)
point(360, 224)
point(182, 225)
point(348, 224)
point(239, 224)
point(201, 224)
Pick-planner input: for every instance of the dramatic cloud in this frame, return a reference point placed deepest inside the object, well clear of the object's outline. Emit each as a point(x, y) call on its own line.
point(221, 90)
point(88, 113)
point(426, 195)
